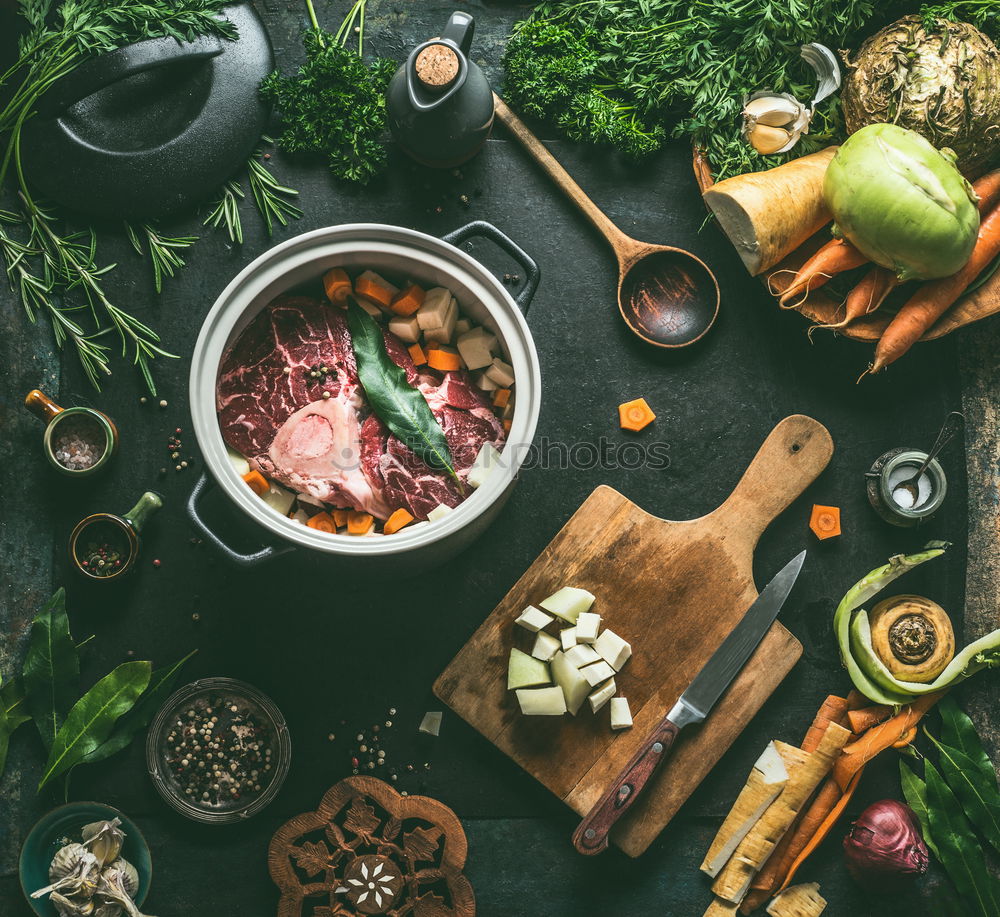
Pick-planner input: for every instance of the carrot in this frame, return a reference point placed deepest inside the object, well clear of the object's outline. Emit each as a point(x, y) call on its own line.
point(867, 295)
point(987, 187)
point(906, 738)
point(417, 354)
point(359, 523)
point(258, 483)
point(865, 717)
point(832, 710)
point(858, 753)
point(501, 397)
point(856, 700)
point(824, 521)
point(337, 285)
point(507, 425)
point(373, 290)
point(396, 521)
point(836, 257)
point(635, 415)
point(340, 517)
point(443, 359)
point(933, 299)
point(322, 522)
point(407, 301)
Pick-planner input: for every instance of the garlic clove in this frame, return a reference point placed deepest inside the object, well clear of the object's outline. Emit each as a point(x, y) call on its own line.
point(104, 838)
point(772, 110)
point(767, 140)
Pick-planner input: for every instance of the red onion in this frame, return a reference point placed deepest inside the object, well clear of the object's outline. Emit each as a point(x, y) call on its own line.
point(884, 846)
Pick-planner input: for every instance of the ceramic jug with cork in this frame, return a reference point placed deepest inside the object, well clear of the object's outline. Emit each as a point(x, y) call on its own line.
point(439, 103)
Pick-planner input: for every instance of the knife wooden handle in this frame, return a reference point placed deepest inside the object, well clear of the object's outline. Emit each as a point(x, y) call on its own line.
point(591, 837)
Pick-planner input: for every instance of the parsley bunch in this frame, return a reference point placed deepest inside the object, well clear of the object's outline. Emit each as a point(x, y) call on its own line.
point(335, 103)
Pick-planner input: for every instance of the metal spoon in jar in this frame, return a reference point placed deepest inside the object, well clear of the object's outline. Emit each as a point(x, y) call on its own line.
point(952, 424)
point(667, 296)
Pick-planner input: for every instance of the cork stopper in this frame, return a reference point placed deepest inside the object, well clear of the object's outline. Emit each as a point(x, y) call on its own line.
point(437, 66)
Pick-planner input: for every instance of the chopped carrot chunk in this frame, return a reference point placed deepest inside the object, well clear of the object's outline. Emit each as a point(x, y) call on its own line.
point(340, 517)
point(407, 301)
point(506, 425)
point(825, 521)
point(501, 398)
point(322, 522)
point(337, 285)
point(373, 290)
point(443, 359)
point(417, 354)
point(359, 523)
point(635, 415)
point(396, 521)
point(258, 483)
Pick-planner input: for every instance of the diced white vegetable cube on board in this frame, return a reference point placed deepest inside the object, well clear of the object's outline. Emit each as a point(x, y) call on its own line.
point(588, 626)
point(568, 603)
point(524, 671)
point(599, 697)
point(574, 685)
point(439, 512)
point(596, 673)
point(546, 646)
point(567, 637)
point(542, 701)
point(581, 655)
point(431, 723)
point(487, 461)
point(533, 619)
point(615, 651)
point(240, 465)
point(500, 372)
point(621, 716)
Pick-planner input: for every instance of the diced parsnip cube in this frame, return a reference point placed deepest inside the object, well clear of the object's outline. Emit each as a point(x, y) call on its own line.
point(588, 626)
point(546, 646)
point(574, 685)
point(568, 603)
point(621, 716)
point(542, 701)
point(439, 512)
point(431, 723)
point(597, 672)
point(581, 655)
point(446, 331)
point(501, 373)
point(432, 313)
point(475, 346)
point(373, 310)
point(240, 465)
point(524, 671)
point(390, 289)
point(484, 383)
point(278, 498)
point(463, 325)
point(405, 327)
point(616, 652)
point(300, 516)
point(508, 410)
point(533, 619)
point(485, 464)
point(602, 695)
point(567, 636)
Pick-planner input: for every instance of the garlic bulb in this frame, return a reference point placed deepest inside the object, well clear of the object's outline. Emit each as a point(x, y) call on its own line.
point(67, 907)
point(105, 839)
point(111, 889)
point(81, 879)
point(130, 876)
point(773, 122)
point(66, 861)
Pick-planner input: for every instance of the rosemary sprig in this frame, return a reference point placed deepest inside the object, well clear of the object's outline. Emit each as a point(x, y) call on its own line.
point(269, 194)
point(163, 250)
point(226, 211)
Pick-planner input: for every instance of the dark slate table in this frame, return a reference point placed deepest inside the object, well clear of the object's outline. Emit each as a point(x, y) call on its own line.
point(336, 653)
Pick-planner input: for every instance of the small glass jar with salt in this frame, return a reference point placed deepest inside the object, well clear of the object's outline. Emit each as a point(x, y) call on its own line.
point(896, 504)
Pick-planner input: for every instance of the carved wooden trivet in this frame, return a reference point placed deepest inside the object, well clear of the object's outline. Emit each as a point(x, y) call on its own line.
point(367, 850)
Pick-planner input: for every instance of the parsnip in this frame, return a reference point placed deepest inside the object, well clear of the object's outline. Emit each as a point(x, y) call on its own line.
point(798, 901)
point(720, 908)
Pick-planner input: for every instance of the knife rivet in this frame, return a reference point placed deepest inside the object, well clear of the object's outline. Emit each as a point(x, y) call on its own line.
point(657, 747)
point(589, 834)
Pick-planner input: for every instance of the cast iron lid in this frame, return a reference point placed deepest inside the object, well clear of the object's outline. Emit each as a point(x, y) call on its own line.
point(153, 127)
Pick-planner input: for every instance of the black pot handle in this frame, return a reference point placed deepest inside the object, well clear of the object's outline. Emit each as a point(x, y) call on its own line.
point(105, 69)
point(532, 273)
point(244, 560)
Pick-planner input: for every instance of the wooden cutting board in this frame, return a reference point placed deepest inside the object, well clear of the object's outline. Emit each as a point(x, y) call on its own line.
point(674, 590)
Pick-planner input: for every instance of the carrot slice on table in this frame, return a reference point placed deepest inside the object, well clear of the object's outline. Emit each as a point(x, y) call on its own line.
point(322, 522)
point(501, 397)
point(407, 301)
point(836, 257)
point(443, 360)
point(396, 521)
point(824, 521)
point(371, 289)
point(635, 415)
point(258, 483)
point(337, 285)
point(359, 523)
point(417, 354)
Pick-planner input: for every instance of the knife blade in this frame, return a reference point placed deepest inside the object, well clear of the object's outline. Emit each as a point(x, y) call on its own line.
point(591, 836)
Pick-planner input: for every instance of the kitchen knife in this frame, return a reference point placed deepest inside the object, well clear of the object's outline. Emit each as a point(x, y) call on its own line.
point(692, 707)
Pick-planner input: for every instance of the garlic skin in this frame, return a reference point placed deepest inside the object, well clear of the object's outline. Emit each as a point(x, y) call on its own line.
point(105, 839)
point(129, 874)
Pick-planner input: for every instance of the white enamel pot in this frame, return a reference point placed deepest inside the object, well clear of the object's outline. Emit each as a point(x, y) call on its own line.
point(396, 252)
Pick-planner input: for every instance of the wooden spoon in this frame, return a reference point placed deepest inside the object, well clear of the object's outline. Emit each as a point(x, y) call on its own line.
point(667, 296)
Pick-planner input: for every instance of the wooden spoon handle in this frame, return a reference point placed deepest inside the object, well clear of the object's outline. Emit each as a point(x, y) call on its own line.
point(790, 459)
point(620, 242)
point(591, 836)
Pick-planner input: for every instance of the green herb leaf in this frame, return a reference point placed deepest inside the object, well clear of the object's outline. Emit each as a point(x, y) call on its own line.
point(51, 668)
point(161, 683)
point(958, 731)
point(979, 797)
point(400, 406)
point(13, 713)
point(915, 794)
point(91, 721)
point(958, 849)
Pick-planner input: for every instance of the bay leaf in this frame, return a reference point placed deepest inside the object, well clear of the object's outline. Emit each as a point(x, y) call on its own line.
point(51, 668)
point(979, 797)
point(958, 731)
point(399, 405)
point(13, 713)
point(915, 794)
point(92, 718)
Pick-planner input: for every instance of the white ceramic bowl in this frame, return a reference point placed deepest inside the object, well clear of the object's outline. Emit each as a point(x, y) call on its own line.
point(397, 252)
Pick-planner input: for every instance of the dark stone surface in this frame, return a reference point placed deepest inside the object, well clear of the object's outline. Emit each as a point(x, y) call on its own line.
point(335, 653)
